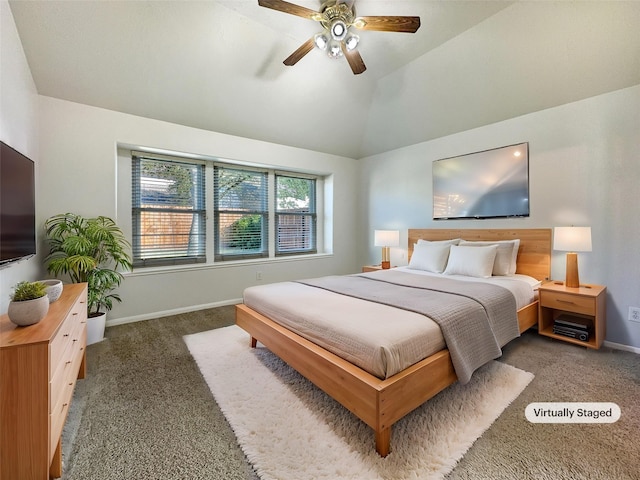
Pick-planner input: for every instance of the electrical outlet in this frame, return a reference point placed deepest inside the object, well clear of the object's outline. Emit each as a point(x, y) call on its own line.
point(258, 275)
point(634, 314)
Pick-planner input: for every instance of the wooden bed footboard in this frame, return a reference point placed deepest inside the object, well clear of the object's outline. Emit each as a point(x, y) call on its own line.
point(378, 403)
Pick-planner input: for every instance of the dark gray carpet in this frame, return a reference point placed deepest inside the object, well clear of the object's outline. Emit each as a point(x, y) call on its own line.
point(514, 448)
point(145, 412)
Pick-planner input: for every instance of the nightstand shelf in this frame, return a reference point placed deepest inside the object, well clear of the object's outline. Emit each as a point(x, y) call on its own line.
point(584, 305)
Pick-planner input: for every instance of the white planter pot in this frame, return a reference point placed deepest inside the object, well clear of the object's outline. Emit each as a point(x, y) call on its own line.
point(28, 312)
point(95, 328)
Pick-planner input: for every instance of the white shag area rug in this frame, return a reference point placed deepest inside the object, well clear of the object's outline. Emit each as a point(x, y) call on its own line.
point(291, 430)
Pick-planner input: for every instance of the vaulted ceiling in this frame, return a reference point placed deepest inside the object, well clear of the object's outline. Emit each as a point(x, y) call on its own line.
point(217, 65)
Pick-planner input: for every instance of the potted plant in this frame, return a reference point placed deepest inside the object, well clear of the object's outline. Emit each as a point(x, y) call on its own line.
point(29, 303)
point(92, 250)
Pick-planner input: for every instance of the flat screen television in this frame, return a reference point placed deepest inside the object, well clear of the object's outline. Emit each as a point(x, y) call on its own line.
point(17, 206)
point(489, 184)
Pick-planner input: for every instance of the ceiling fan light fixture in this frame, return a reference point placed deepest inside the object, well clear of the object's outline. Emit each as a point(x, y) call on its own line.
point(321, 40)
point(336, 18)
point(335, 49)
point(338, 30)
point(351, 42)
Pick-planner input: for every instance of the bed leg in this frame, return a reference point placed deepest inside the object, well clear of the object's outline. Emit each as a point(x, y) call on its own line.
point(383, 441)
point(254, 342)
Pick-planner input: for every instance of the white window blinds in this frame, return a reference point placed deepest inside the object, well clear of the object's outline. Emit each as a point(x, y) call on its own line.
point(169, 212)
point(295, 215)
point(241, 213)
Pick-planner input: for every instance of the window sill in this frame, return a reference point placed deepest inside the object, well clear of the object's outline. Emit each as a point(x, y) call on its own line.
point(142, 271)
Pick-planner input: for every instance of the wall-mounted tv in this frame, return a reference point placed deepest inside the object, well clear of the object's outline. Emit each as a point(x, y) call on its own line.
point(489, 184)
point(17, 206)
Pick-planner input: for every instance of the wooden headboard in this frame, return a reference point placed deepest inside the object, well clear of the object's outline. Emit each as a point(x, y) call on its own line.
point(534, 255)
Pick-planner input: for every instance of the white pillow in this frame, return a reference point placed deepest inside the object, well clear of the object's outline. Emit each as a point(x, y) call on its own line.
point(471, 261)
point(431, 257)
point(453, 241)
point(506, 256)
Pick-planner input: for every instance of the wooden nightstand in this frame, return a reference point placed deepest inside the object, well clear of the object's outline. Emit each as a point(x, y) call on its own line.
point(583, 305)
point(371, 268)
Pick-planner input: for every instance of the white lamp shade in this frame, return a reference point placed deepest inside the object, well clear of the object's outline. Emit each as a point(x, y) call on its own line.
point(386, 238)
point(572, 239)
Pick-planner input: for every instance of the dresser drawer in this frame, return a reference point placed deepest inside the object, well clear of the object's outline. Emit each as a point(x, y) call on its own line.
point(79, 332)
point(65, 335)
point(59, 381)
point(60, 343)
point(67, 371)
point(58, 416)
point(568, 302)
point(64, 387)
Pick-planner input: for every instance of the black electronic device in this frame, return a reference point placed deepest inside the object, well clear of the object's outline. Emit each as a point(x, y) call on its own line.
point(578, 334)
point(489, 184)
point(569, 321)
point(573, 327)
point(17, 206)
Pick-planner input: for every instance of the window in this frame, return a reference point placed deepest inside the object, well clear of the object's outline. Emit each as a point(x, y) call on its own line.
point(168, 213)
point(295, 215)
point(256, 212)
point(241, 213)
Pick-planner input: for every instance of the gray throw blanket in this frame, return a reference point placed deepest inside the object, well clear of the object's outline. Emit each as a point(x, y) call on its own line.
point(476, 318)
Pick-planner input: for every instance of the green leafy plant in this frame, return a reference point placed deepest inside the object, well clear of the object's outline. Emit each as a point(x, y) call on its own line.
point(92, 250)
point(28, 291)
point(245, 233)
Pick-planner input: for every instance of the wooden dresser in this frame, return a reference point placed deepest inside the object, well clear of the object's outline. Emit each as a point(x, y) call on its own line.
point(39, 365)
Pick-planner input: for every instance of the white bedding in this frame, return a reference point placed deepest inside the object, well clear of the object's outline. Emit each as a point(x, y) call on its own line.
point(380, 339)
point(523, 287)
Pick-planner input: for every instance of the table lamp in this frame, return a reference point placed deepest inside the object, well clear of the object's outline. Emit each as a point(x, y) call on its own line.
point(572, 240)
point(386, 239)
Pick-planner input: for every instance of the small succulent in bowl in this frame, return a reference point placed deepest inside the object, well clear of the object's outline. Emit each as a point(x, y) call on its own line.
point(29, 303)
point(28, 291)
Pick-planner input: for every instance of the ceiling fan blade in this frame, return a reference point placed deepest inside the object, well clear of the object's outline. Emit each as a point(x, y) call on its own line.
point(291, 8)
point(388, 24)
point(355, 60)
point(295, 57)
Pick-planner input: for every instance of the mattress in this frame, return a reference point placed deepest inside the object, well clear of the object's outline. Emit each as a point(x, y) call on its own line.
point(381, 339)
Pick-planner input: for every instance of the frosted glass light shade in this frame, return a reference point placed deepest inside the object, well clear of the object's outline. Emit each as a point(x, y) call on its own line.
point(321, 40)
point(351, 42)
point(338, 30)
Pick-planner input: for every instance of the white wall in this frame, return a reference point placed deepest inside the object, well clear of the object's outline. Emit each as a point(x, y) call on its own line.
point(584, 170)
point(18, 128)
point(501, 68)
point(79, 173)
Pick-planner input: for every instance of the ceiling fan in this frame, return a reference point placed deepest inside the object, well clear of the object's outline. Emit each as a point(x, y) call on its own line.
point(336, 18)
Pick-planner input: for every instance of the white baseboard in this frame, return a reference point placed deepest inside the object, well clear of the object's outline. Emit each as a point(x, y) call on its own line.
point(620, 346)
point(167, 313)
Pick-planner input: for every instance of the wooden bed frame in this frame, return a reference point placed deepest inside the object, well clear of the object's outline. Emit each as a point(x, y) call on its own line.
point(380, 403)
